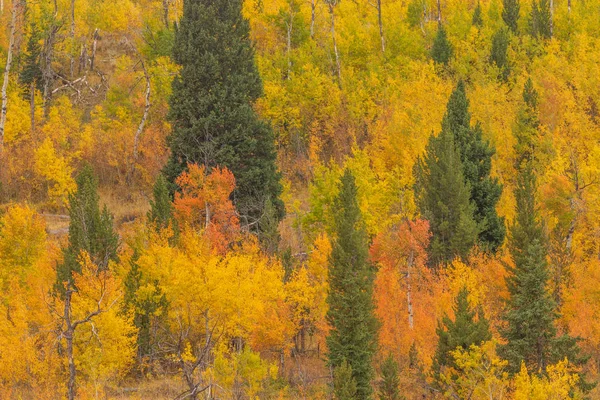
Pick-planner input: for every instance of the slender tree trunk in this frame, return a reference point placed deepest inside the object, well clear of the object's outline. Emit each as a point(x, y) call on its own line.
point(380, 26)
point(313, 7)
point(335, 49)
point(439, 7)
point(289, 24)
point(9, 58)
point(72, 18)
point(551, 17)
point(140, 129)
point(409, 290)
point(47, 72)
point(32, 105)
point(569, 5)
point(68, 334)
point(166, 13)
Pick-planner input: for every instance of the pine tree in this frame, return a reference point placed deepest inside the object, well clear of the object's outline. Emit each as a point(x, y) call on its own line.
point(499, 54)
point(477, 16)
point(510, 14)
point(31, 76)
point(353, 333)
point(90, 229)
point(143, 309)
point(390, 381)
point(441, 51)
point(443, 197)
point(211, 106)
point(464, 331)
point(476, 157)
point(531, 313)
point(540, 23)
point(344, 384)
point(161, 208)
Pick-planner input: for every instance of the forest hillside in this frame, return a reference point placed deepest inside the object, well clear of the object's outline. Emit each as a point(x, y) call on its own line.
point(300, 199)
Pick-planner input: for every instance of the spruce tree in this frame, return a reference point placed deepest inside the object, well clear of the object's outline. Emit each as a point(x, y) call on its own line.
point(344, 384)
point(499, 53)
point(510, 14)
point(470, 327)
point(211, 106)
point(477, 16)
point(390, 381)
point(530, 332)
point(31, 76)
point(443, 197)
point(353, 334)
point(540, 22)
point(161, 207)
point(441, 51)
point(476, 158)
point(90, 229)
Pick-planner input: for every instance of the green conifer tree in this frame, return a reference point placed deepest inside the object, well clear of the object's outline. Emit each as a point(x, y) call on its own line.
point(470, 327)
point(531, 313)
point(499, 53)
point(443, 197)
point(510, 14)
point(344, 384)
point(31, 77)
point(477, 16)
point(161, 207)
point(540, 22)
point(211, 106)
point(389, 386)
point(441, 51)
point(353, 334)
point(476, 158)
point(90, 229)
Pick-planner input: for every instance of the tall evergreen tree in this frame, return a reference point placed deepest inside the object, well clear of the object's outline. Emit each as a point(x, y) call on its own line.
point(211, 107)
point(31, 77)
point(443, 196)
point(477, 19)
point(476, 157)
point(531, 313)
point(499, 53)
point(441, 51)
point(510, 14)
point(470, 327)
point(540, 22)
point(389, 387)
point(161, 207)
point(90, 229)
point(353, 334)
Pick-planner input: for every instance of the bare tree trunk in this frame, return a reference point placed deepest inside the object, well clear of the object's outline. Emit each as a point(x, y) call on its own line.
point(551, 17)
point(380, 26)
point(335, 49)
point(72, 18)
point(47, 72)
point(312, 17)
point(569, 5)
point(439, 7)
point(166, 13)
point(32, 105)
point(409, 290)
point(68, 334)
point(94, 47)
point(140, 129)
point(9, 58)
point(289, 25)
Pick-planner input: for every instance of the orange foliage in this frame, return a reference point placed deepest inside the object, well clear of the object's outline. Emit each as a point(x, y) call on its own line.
point(204, 203)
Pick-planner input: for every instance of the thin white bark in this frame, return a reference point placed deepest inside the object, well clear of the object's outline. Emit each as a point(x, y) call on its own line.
point(9, 59)
point(380, 18)
point(409, 290)
point(335, 49)
point(140, 129)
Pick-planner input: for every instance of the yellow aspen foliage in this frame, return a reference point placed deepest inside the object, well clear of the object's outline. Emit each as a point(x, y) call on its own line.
point(57, 172)
point(481, 374)
point(105, 345)
point(559, 384)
